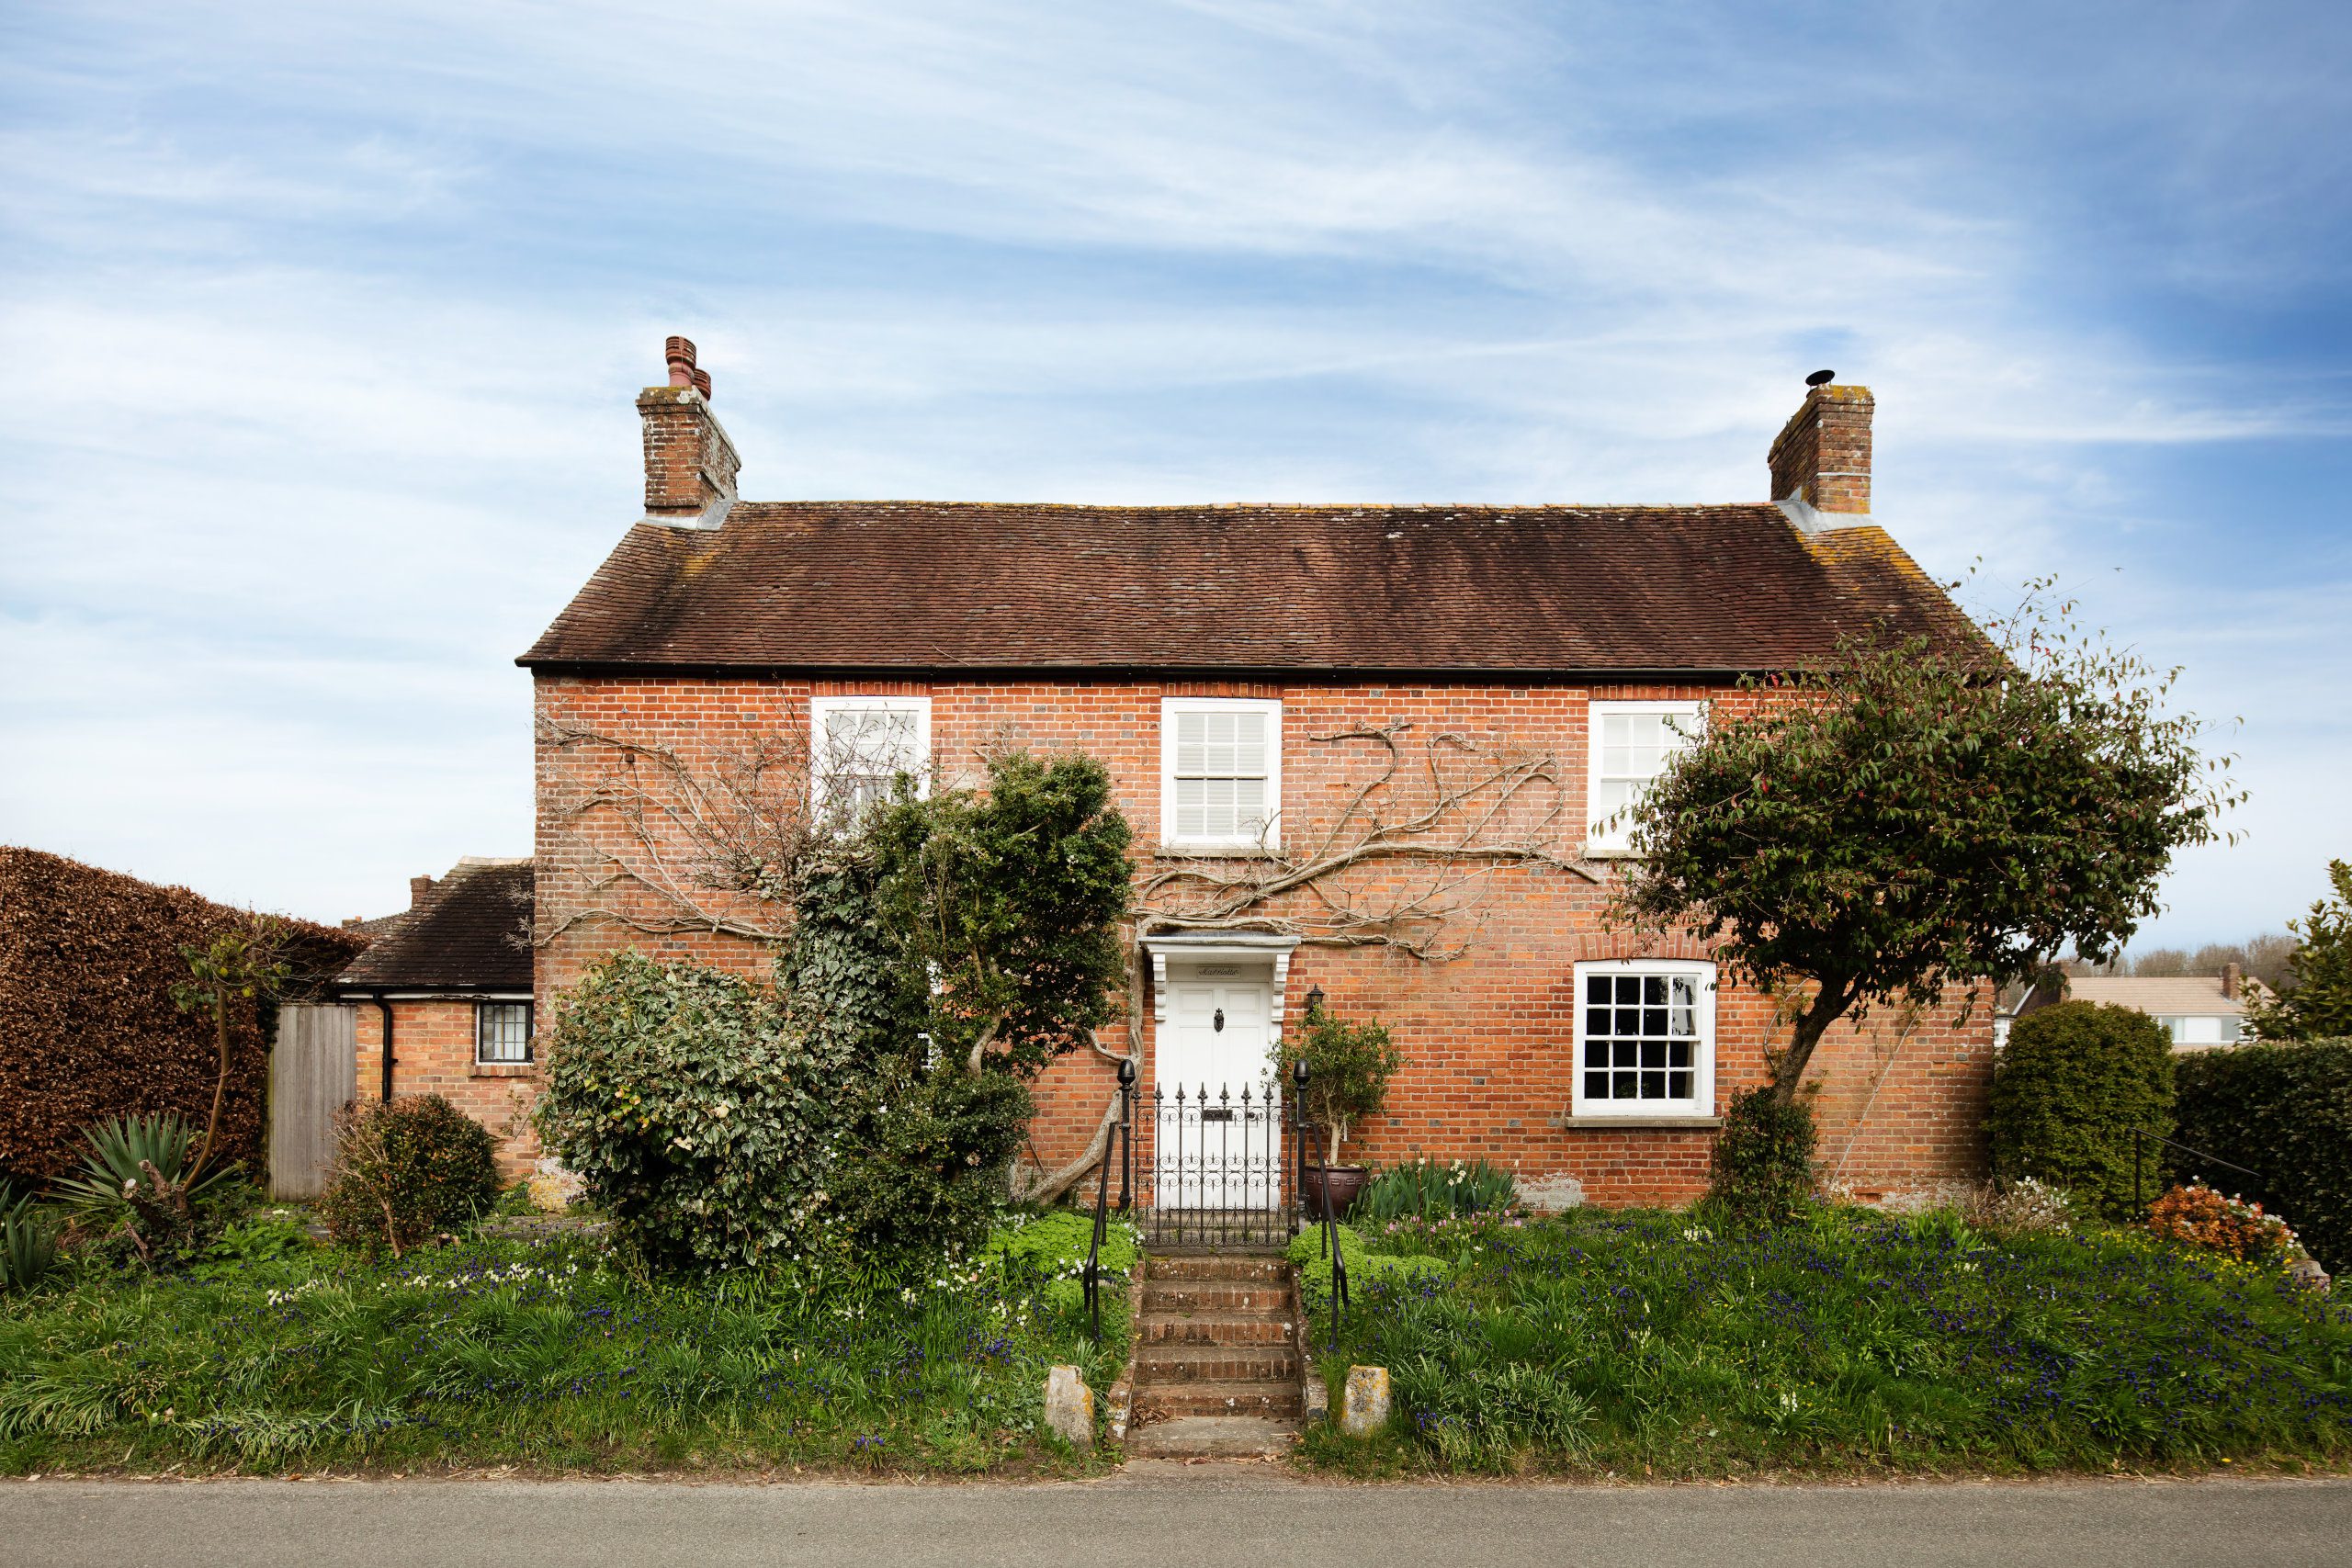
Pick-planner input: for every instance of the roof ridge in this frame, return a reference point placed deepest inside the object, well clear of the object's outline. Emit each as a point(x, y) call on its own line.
point(1313, 506)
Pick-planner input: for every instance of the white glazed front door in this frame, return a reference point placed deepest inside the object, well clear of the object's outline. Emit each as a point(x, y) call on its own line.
point(1219, 1127)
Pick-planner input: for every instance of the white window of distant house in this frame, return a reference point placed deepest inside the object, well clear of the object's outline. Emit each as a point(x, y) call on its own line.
point(859, 746)
point(502, 1034)
point(1221, 772)
point(1630, 744)
point(1646, 1038)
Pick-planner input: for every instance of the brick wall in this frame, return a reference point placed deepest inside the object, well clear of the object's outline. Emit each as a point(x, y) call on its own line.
point(433, 1053)
point(1488, 1037)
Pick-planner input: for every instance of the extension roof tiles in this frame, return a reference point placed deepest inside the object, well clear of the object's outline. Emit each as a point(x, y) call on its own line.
point(468, 932)
point(1505, 590)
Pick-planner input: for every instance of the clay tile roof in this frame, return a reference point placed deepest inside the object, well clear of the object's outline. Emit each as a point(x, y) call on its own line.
point(926, 585)
point(466, 933)
point(2165, 996)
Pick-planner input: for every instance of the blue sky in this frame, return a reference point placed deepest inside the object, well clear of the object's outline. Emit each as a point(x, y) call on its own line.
point(322, 325)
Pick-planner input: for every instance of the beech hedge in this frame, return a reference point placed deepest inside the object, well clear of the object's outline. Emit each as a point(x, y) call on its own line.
point(2284, 1110)
point(88, 1030)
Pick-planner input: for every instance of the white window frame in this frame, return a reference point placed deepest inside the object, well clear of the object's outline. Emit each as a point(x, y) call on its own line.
point(530, 1032)
point(1201, 844)
point(822, 709)
point(1703, 1064)
point(1617, 839)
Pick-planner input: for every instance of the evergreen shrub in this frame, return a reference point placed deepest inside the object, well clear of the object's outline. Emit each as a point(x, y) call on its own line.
point(2071, 1088)
point(2285, 1112)
point(693, 1115)
point(1763, 1160)
point(407, 1171)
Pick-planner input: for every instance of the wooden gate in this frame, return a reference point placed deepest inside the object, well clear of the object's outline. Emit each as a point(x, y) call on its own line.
point(314, 1073)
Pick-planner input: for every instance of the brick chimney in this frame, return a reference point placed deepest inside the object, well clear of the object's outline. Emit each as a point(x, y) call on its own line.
point(689, 463)
point(418, 887)
point(1822, 455)
point(2233, 980)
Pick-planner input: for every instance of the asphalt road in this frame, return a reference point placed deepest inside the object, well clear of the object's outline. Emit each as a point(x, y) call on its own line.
point(1166, 1517)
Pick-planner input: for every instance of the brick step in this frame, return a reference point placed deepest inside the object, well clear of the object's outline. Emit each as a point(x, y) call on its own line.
point(1212, 1437)
point(1225, 1298)
point(1157, 1366)
point(1215, 1328)
point(1243, 1266)
point(1159, 1400)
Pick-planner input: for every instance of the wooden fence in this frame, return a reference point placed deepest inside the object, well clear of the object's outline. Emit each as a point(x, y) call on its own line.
point(313, 1073)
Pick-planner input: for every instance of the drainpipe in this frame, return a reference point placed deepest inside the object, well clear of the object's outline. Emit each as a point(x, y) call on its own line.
point(386, 1008)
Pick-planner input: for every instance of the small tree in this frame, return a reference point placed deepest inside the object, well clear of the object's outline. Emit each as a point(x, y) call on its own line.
point(1348, 1070)
point(1920, 816)
point(2317, 1002)
point(246, 963)
point(1009, 902)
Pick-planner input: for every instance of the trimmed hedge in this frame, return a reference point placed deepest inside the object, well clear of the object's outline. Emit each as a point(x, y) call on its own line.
point(2073, 1082)
point(2285, 1110)
point(88, 1030)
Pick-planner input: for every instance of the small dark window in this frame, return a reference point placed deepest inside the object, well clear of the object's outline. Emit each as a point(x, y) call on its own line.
point(502, 1032)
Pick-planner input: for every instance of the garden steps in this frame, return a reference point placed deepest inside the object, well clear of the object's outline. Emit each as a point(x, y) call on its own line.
point(1213, 1436)
point(1215, 1328)
point(1216, 1364)
point(1166, 1363)
point(1218, 1298)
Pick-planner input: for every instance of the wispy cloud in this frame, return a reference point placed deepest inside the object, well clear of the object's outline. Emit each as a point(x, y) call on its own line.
point(335, 313)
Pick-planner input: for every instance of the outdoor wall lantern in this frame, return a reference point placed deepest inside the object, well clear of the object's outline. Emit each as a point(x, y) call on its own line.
point(1314, 1001)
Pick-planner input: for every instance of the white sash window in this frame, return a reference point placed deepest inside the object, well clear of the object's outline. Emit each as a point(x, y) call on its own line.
point(1646, 1038)
point(1221, 772)
point(859, 746)
point(1629, 744)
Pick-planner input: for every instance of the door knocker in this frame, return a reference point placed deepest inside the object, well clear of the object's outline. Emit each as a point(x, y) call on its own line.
point(1217, 1024)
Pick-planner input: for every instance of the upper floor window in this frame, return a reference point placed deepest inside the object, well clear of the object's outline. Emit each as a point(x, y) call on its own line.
point(1221, 772)
point(859, 746)
point(502, 1034)
point(1630, 744)
point(1646, 1038)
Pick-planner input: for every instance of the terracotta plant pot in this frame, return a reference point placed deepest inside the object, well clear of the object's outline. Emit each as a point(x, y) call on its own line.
point(1345, 1181)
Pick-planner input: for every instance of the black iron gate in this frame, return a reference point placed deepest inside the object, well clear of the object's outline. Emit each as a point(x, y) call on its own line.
point(1212, 1171)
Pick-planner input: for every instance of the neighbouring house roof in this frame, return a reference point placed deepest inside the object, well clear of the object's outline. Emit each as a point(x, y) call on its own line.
point(469, 932)
point(1534, 590)
point(2191, 996)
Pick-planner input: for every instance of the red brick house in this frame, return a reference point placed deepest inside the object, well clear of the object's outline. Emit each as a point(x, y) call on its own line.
point(448, 983)
point(1369, 750)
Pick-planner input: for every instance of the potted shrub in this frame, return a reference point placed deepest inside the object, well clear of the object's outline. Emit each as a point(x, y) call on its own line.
point(1348, 1070)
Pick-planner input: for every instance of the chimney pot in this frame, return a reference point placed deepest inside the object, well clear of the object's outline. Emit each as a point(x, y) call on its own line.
point(690, 465)
point(418, 887)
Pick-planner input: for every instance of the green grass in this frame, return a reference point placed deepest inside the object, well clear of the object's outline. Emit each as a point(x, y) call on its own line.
point(271, 1355)
point(1649, 1343)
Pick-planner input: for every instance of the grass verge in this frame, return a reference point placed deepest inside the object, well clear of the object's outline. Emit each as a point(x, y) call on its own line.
point(1644, 1344)
point(269, 1355)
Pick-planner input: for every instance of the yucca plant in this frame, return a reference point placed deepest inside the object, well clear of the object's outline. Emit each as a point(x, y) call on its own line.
point(27, 1241)
point(135, 1181)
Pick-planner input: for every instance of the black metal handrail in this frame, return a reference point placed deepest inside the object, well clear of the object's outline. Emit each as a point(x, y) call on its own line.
point(2139, 1159)
point(1093, 1275)
point(1330, 1221)
point(1331, 1244)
